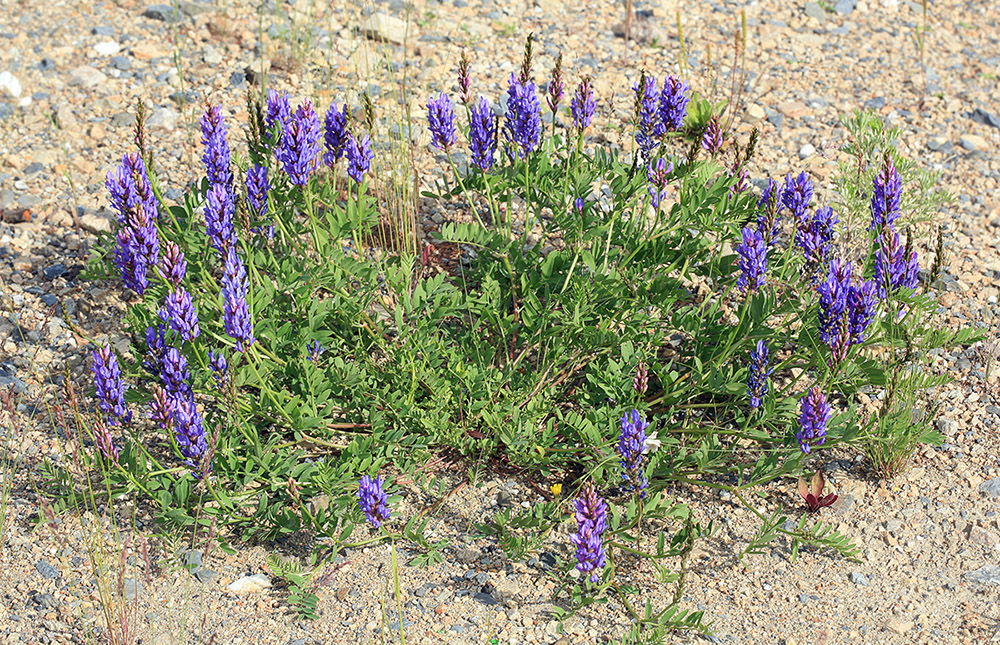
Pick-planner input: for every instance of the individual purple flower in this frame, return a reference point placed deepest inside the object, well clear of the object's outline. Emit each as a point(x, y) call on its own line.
point(886, 196)
point(173, 263)
point(578, 204)
point(179, 313)
point(796, 195)
point(109, 387)
point(630, 447)
point(102, 436)
point(334, 134)
point(441, 119)
point(861, 309)
point(812, 420)
point(753, 260)
point(300, 144)
point(314, 350)
point(814, 235)
point(219, 210)
point(583, 105)
point(833, 293)
point(236, 312)
point(893, 270)
point(161, 408)
point(220, 368)
point(674, 98)
point(555, 93)
point(523, 123)
point(278, 112)
point(591, 522)
point(373, 500)
point(189, 432)
point(359, 156)
point(759, 373)
point(657, 175)
point(648, 127)
point(175, 376)
point(711, 138)
point(482, 135)
point(216, 154)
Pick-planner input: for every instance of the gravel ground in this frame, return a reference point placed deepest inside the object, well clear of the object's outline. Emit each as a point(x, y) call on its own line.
point(70, 74)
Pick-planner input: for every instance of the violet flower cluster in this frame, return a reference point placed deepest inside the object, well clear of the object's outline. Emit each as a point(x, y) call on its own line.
point(591, 522)
point(236, 312)
point(768, 207)
point(649, 129)
point(216, 154)
point(137, 246)
point(257, 189)
point(173, 264)
point(815, 234)
point(711, 138)
point(815, 412)
point(373, 501)
point(359, 157)
point(219, 213)
point(673, 103)
point(276, 116)
point(220, 368)
point(845, 310)
point(757, 387)
point(109, 387)
point(482, 135)
point(179, 314)
point(796, 195)
point(657, 174)
point(752, 262)
point(886, 196)
point(102, 436)
point(583, 105)
point(300, 144)
point(631, 444)
point(894, 267)
point(441, 120)
point(334, 134)
point(523, 123)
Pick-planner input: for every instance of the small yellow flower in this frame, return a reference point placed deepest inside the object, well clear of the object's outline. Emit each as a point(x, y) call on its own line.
point(556, 489)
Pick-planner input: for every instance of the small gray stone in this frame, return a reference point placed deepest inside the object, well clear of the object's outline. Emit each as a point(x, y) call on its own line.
point(33, 168)
point(7, 198)
point(807, 151)
point(46, 570)
point(162, 12)
point(946, 426)
point(983, 117)
point(858, 578)
point(876, 103)
point(803, 598)
point(5, 111)
point(163, 118)
point(813, 10)
point(990, 488)
point(122, 120)
point(49, 300)
point(132, 589)
point(86, 76)
point(28, 201)
point(205, 576)
point(54, 271)
point(121, 63)
point(988, 573)
point(103, 30)
point(190, 558)
point(845, 7)
point(238, 80)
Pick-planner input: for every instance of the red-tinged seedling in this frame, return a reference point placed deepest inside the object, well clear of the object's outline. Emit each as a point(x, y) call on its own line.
point(812, 493)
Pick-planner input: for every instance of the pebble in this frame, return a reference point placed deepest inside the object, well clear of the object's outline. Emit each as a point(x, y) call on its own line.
point(807, 151)
point(86, 76)
point(250, 584)
point(983, 117)
point(46, 570)
point(107, 48)
point(163, 118)
point(9, 85)
point(814, 10)
point(385, 28)
point(858, 578)
point(991, 488)
point(163, 12)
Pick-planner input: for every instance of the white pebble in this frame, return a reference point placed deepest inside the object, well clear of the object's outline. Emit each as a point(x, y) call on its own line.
point(107, 48)
point(250, 584)
point(9, 85)
point(807, 151)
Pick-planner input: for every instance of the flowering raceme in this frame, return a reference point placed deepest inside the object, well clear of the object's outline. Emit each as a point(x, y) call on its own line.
point(173, 263)
point(441, 120)
point(759, 373)
point(216, 154)
point(189, 432)
point(657, 176)
point(277, 114)
point(359, 157)
point(178, 311)
point(893, 270)
point(674, 98)
point(523, 123)
point(711, 138)
point(219, 209)
point(373, 501)
point(886, 196)
point(814, 235)
point(752, 262)
point(482, 135)
point(631, 443)
point(129, 187)
point(583, 105)
point(236, 312)
point(796, 195)
point(109, 386)
point(334, 134)
point(300, 144)
point(591, 521)
point(812, 420)
point(175, 376)
point(649, 129)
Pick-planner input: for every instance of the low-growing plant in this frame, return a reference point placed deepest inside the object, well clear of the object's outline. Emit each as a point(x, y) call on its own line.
point(636, 317)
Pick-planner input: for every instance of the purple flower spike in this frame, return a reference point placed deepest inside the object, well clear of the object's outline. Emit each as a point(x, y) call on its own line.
point(130, 261)
point(674, 98)
point(861, 307)
point(216, 155)
point(189, 431)
point(102, 435)
point(314, 350)
point(893, 270)
point(814, 235)
point(591, 522)
point(257, 189)
point(712, 137)
point(649, 128)
point(482, 135)
point(630, 446)
point(752, 262)
point(161, 408)
point(640, 382)
point(220, 368)
point(334, 134)
point(236, 312)
point(219, 209)
point(464, 82)
point(583, 105)
point(278, 112)
point(833, 301)
point(173, 263)
point(359, 157)
point(886, 196)
point(178, 311)
point(109, 386)
point(131, 189)
point(441, 119)
point(759, 372)
point(373, 500)
point(156, 345)
point(175, 376)
point(555, 93)
point(523, 124)
point(812, 420)
point(657, 176)
point(796, 195)
point(300, 144)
